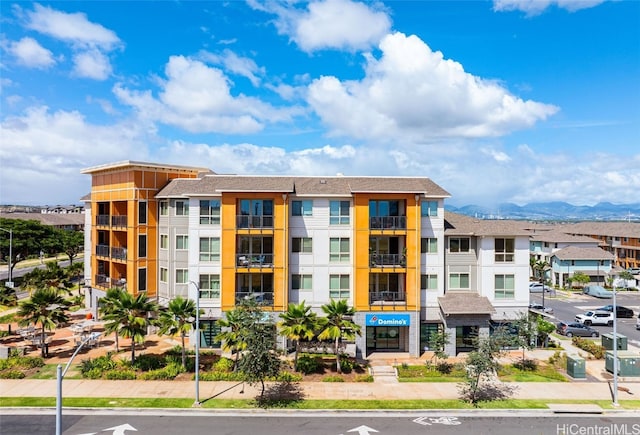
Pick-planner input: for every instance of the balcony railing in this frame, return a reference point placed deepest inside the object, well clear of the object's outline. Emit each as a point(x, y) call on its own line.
point(382, 298)
point(388, 222)
point(102, 250)
point(259, 260)
point(103, 220)
point(119, 253)
point(244, 221)
point(262, 298)
point(387, 260)
point(119, 221)
point(102, 280)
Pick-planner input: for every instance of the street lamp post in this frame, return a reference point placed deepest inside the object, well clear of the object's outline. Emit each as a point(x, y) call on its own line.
point(60, 375)
point(10, 231)
point(615, 350)
point(197, 368)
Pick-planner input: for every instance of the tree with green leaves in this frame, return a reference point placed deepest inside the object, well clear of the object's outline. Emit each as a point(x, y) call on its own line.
point(626, 276)
point(438, 340)
point(337, 325)
point(45, 307)
point(110, 310)
point(232, 334)
point(75, 271)
point(298, 323)
point(580, 278)
point(526, 332)
point(136, 314)
point(52, 276)
point(29, 238)
point(72, 243)
point(541, 267)
point(178, 318)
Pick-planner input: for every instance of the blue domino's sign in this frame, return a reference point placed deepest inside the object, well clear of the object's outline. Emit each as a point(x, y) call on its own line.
point(387, 320)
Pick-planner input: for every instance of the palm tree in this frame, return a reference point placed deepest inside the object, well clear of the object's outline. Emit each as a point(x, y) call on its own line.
point(337, 324)
point(178, 318)
point(541, 267)
point(233, 338)
point(298, 323)
point(46, 307)
point(75, 270)
point(135, 311)
point(111, 311)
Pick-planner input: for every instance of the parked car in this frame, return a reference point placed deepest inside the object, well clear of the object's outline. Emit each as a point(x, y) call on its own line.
point(536, 287)
point(634, 271)
point(596, 318)
point(540, 307)
point(621, 312)
point(597, 291)
point(577, 329)
point(638, 323)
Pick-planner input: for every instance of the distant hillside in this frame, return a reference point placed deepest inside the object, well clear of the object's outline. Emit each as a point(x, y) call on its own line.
point(604, 211)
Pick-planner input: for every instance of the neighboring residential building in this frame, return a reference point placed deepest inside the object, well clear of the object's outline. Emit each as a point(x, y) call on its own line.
point(382, 243)
point(73, 222)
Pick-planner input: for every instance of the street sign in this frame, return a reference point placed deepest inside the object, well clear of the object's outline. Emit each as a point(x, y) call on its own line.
point(9, 284)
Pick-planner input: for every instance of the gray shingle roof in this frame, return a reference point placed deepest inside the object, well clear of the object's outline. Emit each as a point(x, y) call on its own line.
point(614, 229)
point(578, 253)
point(457, 224)
point(465, 303)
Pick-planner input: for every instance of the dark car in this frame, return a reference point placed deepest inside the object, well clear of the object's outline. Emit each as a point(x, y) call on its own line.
point(621, 312)
point(577, 329)
point(540, 307)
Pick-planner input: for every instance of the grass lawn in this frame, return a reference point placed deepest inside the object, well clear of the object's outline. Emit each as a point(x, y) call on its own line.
point(543, 373)
point(428, 374)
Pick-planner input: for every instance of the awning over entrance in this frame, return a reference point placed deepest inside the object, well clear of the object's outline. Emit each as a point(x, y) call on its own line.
point(465, 303)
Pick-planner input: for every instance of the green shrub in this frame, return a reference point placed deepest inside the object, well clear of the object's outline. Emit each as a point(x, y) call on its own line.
point(444, 367)
point(119, 375)
point(364, 378)
point(288, 377)
point(149, 362)
point(93, 373)
point(21, 362)
point(224, 365)
point(530, 365)
point(221, 376)
point(310, 364)
point(347, 365)
point(590, 346)
point(333, 378)
point(12, 374)
point(101, 364)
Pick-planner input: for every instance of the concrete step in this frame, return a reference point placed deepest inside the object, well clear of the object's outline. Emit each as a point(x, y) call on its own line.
point(384, 374)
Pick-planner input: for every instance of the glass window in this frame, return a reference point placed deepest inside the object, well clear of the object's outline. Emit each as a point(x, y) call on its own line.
point(182, 208)
point(458, 280)
point(339, 212)
point(339, 249)
point(301, 282)
point(182, 241)
point(458, 244)
point(429, 208)
point(302, 244)
point(505, 249)
point(142, 212)
point(164, 274)
point(209, 286)
point(164, 208)
point(339, 287)
point(142, 245)
point(210, 249)
point(182, 276)
point(302, 207)
point(164, 241)
point(428, 245)
point(210, 212)
point(142, 279)
point(504, 286)
point(428, 282)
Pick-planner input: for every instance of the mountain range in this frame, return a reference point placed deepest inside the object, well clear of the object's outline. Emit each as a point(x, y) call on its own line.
point(553, 211)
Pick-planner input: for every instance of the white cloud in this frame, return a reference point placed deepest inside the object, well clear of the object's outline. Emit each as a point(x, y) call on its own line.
point(197, 98)
point(536, 7)
point(30, 53)
point(413, 94)
point(235, 64)
point(498, 156)
point(329, 24)
point(92, 64)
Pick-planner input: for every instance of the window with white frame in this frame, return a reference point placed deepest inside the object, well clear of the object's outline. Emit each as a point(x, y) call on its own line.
point(164, 241)
point(182, 241)
point(505, 249)
point(428, 282)
point(428, 245)
point(459, 281)
point(505, 286)
point(210, 286)
point(458, 244)
point(301, 282)
point(429, 208)
point(210, 212)
point(339, 212)
point(210, 249)
point(302, 244)
point(182, 208)
point(164, 274)
point(302, 207)
point(182, 276)
point(339, 249)
point(164, 208)
point(339, 287)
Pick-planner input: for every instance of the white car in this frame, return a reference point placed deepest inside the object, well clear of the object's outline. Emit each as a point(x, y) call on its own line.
point(595, 318)
point(540, 307)
point(536, 287)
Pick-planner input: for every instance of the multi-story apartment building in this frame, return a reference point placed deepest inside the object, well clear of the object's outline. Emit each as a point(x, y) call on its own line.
point(382, 243)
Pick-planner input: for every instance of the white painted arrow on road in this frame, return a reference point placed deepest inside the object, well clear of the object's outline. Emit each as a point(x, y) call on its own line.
point(119, 430)
point(362, 430)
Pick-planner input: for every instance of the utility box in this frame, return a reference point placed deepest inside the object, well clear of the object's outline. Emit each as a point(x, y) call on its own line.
point(628, 363)
point(607, 341)
point(576, 367)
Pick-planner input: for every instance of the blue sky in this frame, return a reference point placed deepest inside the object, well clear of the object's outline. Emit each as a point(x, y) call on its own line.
point(503, 101)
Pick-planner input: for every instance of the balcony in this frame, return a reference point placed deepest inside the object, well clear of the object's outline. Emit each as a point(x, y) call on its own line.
point(102, 251)
point(119, 221)
point(388, 298)
point(102, 280)
point(387, 260)
point(119, 253)
point(249, 260)
point(262, 298)
point(388, 223)
point(102, 220)
point(244, 221)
